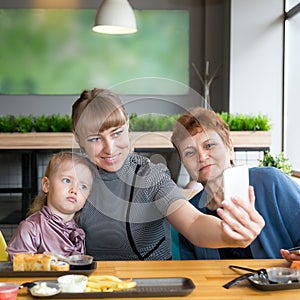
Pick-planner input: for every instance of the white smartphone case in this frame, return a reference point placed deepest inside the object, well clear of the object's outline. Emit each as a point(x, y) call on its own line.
point(236, 182)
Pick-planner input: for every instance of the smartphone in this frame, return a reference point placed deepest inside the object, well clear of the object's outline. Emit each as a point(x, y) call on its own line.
point(295, 250)
point(236, 182)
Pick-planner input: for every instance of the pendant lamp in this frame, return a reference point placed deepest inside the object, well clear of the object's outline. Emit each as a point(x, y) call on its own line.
point(115, 17)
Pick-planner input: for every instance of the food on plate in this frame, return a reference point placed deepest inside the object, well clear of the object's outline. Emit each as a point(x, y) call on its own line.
point(38, 262)
point(60, 266)
point(282, 275)
point(74, 283)
point(18, 262)
point(295, 264)
point(42, 289)
point(108, 283)
point(32, 262)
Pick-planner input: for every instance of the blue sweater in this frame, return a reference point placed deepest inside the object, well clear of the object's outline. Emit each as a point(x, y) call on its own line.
point(277, 199)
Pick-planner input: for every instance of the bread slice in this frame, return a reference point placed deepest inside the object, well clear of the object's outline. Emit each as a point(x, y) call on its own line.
point(32, 262)
point(18, 262)
point(60, 266)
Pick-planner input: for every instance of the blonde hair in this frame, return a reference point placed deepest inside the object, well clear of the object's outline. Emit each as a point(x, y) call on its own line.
point(95, 111)
point(53, 165)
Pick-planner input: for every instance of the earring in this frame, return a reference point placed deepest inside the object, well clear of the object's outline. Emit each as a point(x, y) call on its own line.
point(82, 152)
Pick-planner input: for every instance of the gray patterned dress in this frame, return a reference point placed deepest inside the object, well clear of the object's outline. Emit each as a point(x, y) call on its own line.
point(125, 215)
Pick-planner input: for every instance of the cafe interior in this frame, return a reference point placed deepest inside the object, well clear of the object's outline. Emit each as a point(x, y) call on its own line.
point(162, 57)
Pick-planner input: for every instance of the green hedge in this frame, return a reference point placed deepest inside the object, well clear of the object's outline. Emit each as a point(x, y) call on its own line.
point(240, 122)
point(52, 123)
point(151, 122)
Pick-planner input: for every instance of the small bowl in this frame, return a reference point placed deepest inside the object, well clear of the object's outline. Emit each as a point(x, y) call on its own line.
point(80, 262)
point(8, 290)
point(44, 289)
point(282, 275)
point(72, 283)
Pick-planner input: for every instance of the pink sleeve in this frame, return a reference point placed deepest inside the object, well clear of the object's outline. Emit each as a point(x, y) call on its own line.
point(24, 239)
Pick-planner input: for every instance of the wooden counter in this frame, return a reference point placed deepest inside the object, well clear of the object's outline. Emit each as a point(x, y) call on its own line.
point(29, 145)
point(208, 276)
point(140, 140)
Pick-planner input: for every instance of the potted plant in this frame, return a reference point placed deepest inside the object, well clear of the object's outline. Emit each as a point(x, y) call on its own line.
point(249, 130)
point(23, 124)
point(149, 122)
point(278, 161)
point(38, 131)
point(246, 130)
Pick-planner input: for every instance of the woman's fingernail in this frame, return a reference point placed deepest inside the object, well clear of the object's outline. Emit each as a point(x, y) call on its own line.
point(225, 202)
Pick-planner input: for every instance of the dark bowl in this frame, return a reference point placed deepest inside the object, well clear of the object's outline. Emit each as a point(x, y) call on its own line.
point(82, 262)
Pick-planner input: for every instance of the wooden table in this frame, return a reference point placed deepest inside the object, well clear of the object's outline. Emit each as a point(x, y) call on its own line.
point(207, 275)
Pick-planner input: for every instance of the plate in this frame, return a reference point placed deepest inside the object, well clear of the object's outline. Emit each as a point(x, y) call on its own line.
point(146, 287)
point(52, 289)
point(256, 282)
point(6, 270)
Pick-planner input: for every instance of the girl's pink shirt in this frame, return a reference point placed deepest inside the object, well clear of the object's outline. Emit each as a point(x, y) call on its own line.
point(45, 231)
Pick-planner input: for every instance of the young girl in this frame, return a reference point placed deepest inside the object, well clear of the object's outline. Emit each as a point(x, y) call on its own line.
point(50, 225)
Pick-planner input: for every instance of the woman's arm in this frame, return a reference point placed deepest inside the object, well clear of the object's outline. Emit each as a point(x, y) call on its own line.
point(237, 230)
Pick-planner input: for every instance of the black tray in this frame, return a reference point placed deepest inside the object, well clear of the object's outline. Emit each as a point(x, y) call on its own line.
point(6, 270)
point(146, 287)
point(256, 282)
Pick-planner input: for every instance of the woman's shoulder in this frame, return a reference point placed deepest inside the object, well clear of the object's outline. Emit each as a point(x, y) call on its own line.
point(146, 165)
point(266, 171)
point(269, 175)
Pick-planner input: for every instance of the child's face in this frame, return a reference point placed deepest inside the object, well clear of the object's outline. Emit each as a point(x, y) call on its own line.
point(68, 189)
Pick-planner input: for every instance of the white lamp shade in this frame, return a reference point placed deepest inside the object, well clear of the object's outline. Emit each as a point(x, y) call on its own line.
point(115, 17)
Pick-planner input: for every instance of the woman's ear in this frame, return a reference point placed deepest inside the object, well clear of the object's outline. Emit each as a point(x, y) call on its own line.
point(45, 184)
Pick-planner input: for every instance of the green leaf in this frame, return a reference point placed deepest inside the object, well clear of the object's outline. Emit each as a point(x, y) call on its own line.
point(279, 161)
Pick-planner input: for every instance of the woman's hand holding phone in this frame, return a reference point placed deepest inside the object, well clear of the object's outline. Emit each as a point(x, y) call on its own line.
point(240, 217)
